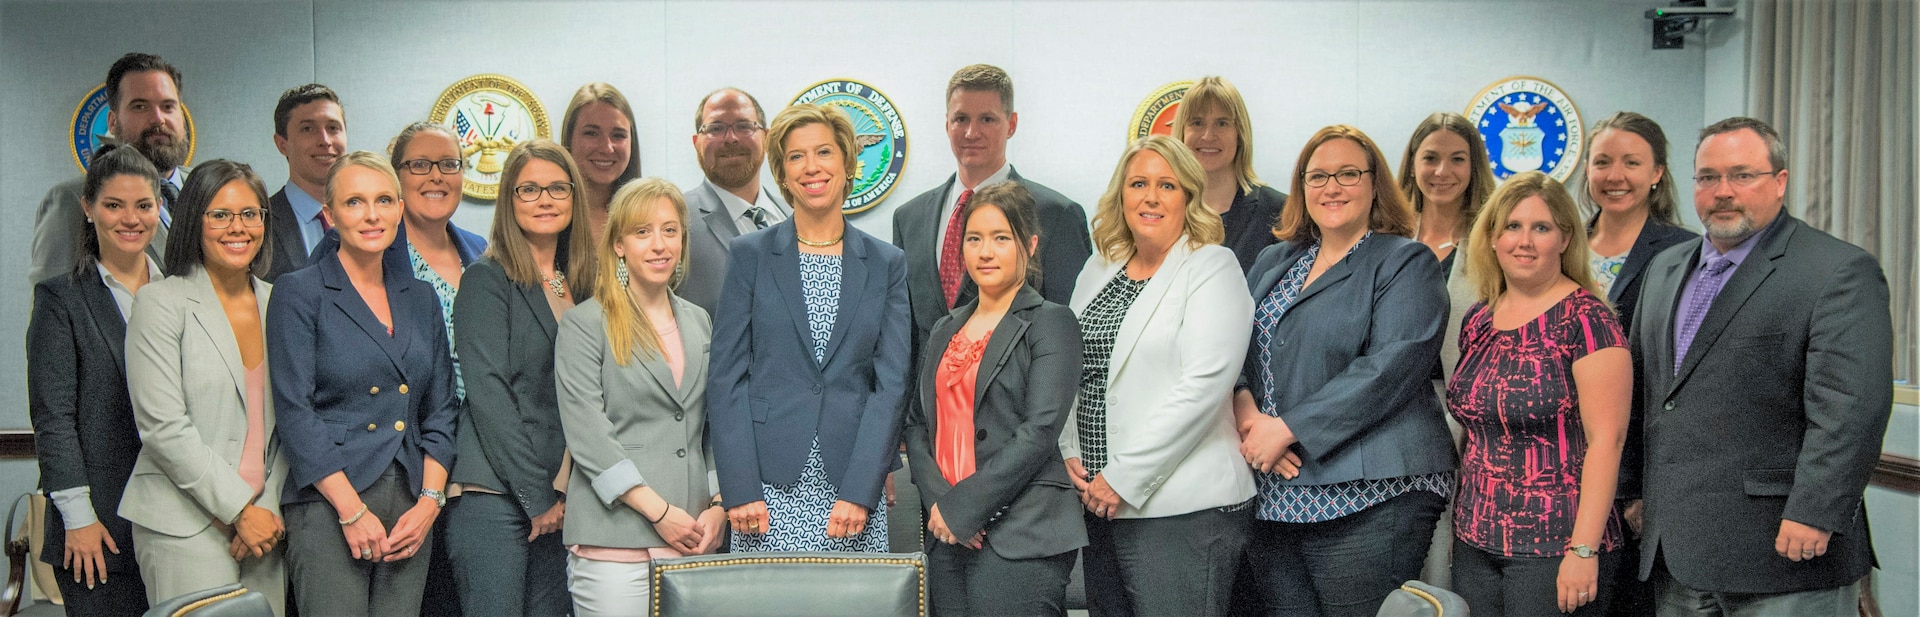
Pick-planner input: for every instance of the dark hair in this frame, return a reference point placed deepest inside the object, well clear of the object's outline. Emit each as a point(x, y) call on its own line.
point(110, 161)
point(1480, 180)
point(1776, 149)
point(183, 239)
point(295, 97)
point(136, 62)
point(1016, 203)
point(397, 151)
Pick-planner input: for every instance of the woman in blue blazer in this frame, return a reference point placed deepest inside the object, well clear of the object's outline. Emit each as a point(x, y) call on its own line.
point(1335, 409)
point(810, 357)
point(364, 387)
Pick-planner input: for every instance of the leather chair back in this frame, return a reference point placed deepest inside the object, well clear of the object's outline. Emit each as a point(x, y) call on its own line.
point(224, 601)
point(1418, 599)
point(791, 585)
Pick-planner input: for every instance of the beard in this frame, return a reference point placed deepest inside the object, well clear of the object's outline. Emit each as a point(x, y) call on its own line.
point(1734, 232)
point(165, 156)
point(731, 175)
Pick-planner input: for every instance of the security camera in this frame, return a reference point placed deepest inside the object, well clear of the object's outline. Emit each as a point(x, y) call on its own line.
point(1672, 23)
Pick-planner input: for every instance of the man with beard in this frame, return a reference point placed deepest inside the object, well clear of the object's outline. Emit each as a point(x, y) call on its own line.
point(310, 129)
point(728, 134)
point(143, 108)
point(1764, 360)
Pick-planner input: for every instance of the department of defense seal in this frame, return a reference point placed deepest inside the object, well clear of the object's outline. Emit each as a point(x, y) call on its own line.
point(1154, 116)
point(1529, 125)
point(878, 130)
point(88, 130)
point(490, 114)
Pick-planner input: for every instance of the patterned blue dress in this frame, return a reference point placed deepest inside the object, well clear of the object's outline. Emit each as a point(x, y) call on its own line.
point(797, 513)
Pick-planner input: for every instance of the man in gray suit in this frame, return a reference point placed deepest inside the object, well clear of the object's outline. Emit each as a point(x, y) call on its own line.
point(728, 133)
point(1763, 357)
point(143, 108)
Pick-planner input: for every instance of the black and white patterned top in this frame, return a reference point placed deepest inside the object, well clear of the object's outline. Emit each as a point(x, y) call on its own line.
point(1099, 326)
point(820, 283)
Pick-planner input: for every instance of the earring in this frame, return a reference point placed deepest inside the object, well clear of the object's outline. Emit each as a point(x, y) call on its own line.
point(620, 273)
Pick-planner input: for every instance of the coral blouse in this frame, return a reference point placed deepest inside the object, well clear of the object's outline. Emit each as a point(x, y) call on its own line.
point(954, 380)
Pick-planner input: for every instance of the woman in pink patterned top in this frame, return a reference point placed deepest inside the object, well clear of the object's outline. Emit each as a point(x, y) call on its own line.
point(1542, 389)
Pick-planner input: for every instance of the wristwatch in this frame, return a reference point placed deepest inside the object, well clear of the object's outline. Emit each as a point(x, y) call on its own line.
point(1582, 551)
point(439, 497)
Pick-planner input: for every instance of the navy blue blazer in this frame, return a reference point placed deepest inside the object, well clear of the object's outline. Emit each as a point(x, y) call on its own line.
point(1353, 356)
point(766, 397)
point(470, 246)
point(348, 396)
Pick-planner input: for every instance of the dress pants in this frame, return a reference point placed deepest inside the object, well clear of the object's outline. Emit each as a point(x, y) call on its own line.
point(1674, 599)
point(1496, 585)
point(1344, 567)
point(174, 567)
point(327, 578)
point(1174, 565)
point(496, 570)
point(963, 581)
point(123, 593)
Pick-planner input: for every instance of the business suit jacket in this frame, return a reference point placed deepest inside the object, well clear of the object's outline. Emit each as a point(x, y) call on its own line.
point(710, 229)
point(192, 415)
point(1655, 236)
point(469, 245)
point(1171, 444)
point(83, 430)
point(631, 425)
point(351, 397)
point(1777, 411)
point(1024, 388)
point(59, 222)
point(1352, 359)
point(289, 246)
point(510, 439)
point(767, 399)
point(1064, 248)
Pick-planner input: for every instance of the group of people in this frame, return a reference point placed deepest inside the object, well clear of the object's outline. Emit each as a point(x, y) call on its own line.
point(1216, 396)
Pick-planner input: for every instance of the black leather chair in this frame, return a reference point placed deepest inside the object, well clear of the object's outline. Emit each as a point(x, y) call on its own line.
point(791, 585)
point(223, 601)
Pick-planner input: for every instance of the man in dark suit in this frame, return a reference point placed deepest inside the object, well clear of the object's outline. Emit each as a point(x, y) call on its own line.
point(728, 133)
point(980, 120)
point(1764, 361)
point(143, 109)
point(310, 129)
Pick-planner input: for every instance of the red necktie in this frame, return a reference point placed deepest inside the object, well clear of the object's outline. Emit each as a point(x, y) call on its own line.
point(324, 225)
point(950, 250)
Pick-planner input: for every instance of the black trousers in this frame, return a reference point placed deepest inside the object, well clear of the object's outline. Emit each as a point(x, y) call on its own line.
point(1496, 585)
point(496, 570)
point(327, 580)
point(123, 593)
point(1174, 565)
point(964, 581)
point(1631, 596)
point(1344, 567)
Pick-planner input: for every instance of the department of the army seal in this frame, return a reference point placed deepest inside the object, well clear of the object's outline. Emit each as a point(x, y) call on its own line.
point(1529, 125)
point(1154, 116)
point(490, 114)
point(878, 130)
point(88, 130)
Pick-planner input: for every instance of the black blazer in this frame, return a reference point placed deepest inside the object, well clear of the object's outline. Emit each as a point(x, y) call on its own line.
point(289, 247)
point(77, 395)
point(1249, 224)
point(1778, 411)
point(510, 438)
point(1655, 236)
point(1354, 354)
point(1025, 384)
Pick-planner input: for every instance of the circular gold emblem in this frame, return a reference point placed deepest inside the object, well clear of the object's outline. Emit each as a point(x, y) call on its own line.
point(490, 114)
point(88, 129)
point(1154, 116)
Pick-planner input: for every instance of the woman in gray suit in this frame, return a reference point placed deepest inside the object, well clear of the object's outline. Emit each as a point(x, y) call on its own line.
point(631, 366)
point(204, 498)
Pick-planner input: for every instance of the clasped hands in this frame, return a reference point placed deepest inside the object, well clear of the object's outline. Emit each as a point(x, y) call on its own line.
point(848, 519)
point(370, 540)
point(1266, 442)
point(254, 534)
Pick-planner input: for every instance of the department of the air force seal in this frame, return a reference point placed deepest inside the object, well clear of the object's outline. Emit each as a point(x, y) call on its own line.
point(490, 114)
point(1529, 125)
point(88, 130)
point(1154, 116)
point(877, 129)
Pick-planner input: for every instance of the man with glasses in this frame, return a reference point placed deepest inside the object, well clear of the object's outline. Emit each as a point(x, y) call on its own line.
point(310, 129)
point(728, 134)
point(143, 109)
point(1764, 357)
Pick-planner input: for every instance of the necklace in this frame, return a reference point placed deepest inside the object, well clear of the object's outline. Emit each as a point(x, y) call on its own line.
point(558, 284)
point(816, 244)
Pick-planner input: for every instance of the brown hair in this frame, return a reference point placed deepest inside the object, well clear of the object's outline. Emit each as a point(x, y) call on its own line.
point(602, 92)
point(1480, 180)
point(1662, 201)
point(796, 116)
point(982, 78)
point(1111, 236)
point(507, 243)
point(1388, 214)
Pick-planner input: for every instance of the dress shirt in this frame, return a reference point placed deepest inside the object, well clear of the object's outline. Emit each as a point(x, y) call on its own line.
point(1690, 290)
point(307, 210)
point(737, 209)
point(952, 201)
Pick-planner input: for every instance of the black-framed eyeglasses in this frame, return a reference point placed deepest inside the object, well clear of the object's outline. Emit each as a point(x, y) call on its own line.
point(1738, 178)
point(421, 167)
point(1346, 177)
point(717, 130)
point(557, 190)
point(222, 219)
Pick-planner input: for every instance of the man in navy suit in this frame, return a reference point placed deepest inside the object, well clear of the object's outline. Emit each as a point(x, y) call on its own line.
point(310, 129)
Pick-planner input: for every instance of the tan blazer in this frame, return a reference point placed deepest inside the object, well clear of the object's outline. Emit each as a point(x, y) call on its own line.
point(188, 389)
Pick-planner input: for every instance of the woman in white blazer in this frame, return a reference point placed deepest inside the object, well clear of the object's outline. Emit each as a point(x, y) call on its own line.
point(1151, 445)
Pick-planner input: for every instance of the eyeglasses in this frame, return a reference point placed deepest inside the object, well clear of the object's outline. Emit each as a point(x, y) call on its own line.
point(222, 219)
point(1346, 177)
point(1738, 178)
point(421, 167)
point(557, 190)
point(742, 128)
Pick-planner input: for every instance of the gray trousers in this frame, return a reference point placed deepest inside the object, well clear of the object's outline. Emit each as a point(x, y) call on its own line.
point(173, 566)
point(327, 579)
point(1673, 599)
point(497, 571)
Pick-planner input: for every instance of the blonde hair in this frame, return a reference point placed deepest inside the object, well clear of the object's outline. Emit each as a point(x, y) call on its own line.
point(629, 332)
point(507, 243)
point(603, 92)
point(796, 116)
point(1213, 92)
point(1388, 214)
point(359, 158)
point(1483, 262)
point(1114, 239)
point(1480, 180)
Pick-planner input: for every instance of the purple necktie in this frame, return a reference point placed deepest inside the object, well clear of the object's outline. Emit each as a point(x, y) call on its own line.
point(1706, 286)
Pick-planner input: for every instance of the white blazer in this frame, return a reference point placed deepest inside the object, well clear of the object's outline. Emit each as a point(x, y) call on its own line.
point(1171, 444)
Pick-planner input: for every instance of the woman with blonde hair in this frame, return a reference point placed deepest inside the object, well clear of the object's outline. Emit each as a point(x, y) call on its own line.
point(598, 131)
point(1213, 122)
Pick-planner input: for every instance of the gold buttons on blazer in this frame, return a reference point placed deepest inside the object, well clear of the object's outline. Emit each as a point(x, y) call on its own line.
point(373, 390)
point(403, 388)
point(400, 425)
point(370, 427)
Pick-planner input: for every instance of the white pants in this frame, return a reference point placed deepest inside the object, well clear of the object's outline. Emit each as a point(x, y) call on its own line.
point(175, 567)
point(611, 588)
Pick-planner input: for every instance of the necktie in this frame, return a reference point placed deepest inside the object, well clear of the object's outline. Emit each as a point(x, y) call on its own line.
point(170, 196)
point(324, 225)
point(950, 250)
point(1707, 285)
point(759, 217)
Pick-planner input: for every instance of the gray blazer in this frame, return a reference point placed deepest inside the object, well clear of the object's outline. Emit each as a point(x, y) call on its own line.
point(509, 431)
point(630, 425)
point(710, 230)
point(58, 222)
point(191, 413)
